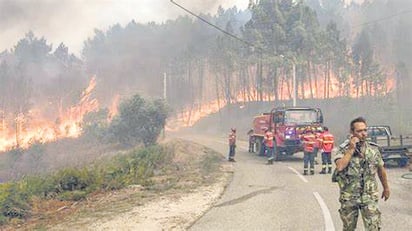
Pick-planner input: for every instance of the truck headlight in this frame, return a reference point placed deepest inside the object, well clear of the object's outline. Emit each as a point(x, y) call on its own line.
point(287, 136)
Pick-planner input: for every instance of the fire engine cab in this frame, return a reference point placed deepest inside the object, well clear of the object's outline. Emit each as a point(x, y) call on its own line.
point(287, 125)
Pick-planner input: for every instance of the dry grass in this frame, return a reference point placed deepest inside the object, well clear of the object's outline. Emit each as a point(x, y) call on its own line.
point(45, 158)
point(192, 166)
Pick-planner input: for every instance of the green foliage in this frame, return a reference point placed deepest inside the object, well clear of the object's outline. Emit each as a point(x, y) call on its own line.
point(135, 168)
point(71, 179)
point(75, 195)
point(99, 117)
point(139, 121)
point(14, 200)
point(95, 124)
point(39, 186)
point(74, 184)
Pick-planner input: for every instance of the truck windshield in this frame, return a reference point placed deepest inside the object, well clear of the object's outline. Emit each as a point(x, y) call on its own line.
point(301, 116)
point(378, 131)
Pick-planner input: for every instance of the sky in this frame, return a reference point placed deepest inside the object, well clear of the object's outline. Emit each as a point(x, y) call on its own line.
point(73, 21)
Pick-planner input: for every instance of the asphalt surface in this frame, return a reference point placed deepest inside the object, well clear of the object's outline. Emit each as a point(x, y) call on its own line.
point(279, 197)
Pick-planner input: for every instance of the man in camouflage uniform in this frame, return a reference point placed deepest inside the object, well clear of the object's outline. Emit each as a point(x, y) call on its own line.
point(357, 163)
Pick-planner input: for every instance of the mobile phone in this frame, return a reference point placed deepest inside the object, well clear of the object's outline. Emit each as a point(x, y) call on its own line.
point(357, 148)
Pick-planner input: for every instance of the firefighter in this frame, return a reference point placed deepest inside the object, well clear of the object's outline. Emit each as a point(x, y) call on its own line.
point(318, 133)
point(232, 144)
point(327, 144)
point(251, 141)
point(309, 140)
point(269, 145)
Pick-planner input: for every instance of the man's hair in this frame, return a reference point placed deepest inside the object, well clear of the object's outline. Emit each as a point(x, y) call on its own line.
point(325, 128)
point(356, 120)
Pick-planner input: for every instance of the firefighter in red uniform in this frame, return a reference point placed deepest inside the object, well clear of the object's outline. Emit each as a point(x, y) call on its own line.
point(327, 145)
point(232, 145)
point(309, 140)
point(318, 133)
point(269, 145)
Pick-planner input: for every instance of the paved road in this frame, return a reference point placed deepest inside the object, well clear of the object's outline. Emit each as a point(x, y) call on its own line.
point(278, 197)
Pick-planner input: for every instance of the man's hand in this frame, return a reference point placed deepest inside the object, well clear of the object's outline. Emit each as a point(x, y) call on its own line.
point(353, 140)
point(385, 194)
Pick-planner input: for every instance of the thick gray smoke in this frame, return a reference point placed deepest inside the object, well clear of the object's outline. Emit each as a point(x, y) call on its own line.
point(73, 21)
point(51, 19)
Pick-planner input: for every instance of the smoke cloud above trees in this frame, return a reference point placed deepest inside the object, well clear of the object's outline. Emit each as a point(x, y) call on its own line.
point(73, 21)
point(333, 46)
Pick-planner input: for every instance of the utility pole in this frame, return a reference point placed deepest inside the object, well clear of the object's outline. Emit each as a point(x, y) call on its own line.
point(295, 90)
point(165, 99)
point(164, 86)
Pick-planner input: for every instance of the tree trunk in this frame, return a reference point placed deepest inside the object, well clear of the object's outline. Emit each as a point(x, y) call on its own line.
point(259, 80)
point(328, 80)
point(309, 79)
point(325, 79)
point(315, 78)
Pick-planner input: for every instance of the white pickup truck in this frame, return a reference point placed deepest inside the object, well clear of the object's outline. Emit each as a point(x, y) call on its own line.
point(395, 149)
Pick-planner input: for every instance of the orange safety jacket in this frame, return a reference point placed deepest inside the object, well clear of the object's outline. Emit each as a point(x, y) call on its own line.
point(328, 141)
point(318, 136)
point(232, 138)
point(309, 142)
point(269, 139)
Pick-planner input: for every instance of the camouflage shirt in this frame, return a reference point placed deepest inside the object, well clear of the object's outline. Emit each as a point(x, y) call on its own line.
point(358, 180)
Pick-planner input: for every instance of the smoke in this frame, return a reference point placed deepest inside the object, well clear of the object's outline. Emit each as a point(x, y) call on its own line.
point(73, 21)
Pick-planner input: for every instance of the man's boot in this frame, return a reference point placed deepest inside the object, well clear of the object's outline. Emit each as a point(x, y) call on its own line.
point(312, 172)
point(329, 170)
point(323, 171)
point(305, 172)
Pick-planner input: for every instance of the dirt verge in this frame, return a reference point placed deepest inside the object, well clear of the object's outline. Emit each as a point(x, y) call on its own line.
point(195, 180)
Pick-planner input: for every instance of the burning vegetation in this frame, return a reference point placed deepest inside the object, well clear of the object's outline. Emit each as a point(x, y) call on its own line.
point(204, 69)
point(33, 128)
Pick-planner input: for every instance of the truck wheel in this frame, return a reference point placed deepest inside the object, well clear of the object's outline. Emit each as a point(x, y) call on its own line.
point(277, 153)
point(258, 145)
point(402, 162)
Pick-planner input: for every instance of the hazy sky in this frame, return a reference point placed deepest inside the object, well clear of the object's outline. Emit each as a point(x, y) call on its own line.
point(73, 21)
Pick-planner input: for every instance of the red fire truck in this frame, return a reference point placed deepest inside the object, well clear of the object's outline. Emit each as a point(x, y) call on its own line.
point(287, 125)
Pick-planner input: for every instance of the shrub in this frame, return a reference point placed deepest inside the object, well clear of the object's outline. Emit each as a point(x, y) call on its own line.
point(95, 124)
point(13, 201)
point(139, 121)
point(74, 184)
point(71, 179)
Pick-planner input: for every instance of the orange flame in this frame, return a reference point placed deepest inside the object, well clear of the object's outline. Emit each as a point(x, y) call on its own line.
point(190, 115)
point(28, 131)
point(113, 109)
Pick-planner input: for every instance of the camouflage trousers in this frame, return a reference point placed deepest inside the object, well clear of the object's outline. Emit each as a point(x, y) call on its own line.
point(349, 213)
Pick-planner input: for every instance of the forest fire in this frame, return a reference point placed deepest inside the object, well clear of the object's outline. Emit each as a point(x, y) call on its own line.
point(32, 128)
point(189, 116)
